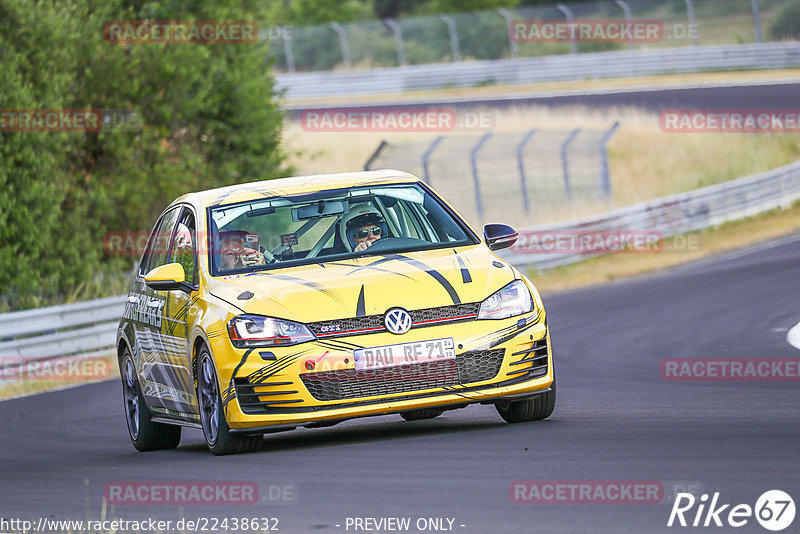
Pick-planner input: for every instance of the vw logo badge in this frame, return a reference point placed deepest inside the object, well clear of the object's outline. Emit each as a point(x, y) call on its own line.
point(397, 321)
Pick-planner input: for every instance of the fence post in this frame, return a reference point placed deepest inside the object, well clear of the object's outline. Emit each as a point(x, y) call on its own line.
point(398, 40)
point(565, 164)
point(375, 155)
point(287, 47)
point(573, 46)
point(339, 29)
point(473, 156)
point(756, 19)
point(626, 10)
point(692, 22)
point(512, 44)
point(605, 176)
point(451, 28)
point(426, 156)
point(521, 166)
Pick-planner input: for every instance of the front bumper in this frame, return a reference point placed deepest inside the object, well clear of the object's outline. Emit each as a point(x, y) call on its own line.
point(496, 360)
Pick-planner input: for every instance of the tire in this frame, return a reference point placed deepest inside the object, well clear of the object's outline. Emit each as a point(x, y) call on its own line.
point(535, 409)
point(417, 415)
point(146, 435)
point(217, 433)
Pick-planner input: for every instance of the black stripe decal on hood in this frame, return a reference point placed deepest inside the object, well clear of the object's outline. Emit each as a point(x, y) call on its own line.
point(465, 276)
point(356, 269)
point(430, 270)
point(302, 282)
point(360, 307)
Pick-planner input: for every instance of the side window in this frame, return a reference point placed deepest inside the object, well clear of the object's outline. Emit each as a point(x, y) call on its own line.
point(148, 251)
point(184, 246)
point(158, 246)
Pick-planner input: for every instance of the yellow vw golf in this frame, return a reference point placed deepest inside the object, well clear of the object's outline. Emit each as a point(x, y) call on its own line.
point(307, 301)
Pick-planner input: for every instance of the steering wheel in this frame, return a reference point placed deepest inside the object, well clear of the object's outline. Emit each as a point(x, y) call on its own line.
point(393, 242)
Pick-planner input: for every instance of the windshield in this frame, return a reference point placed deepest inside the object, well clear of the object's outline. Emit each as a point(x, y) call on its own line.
point(328, 225)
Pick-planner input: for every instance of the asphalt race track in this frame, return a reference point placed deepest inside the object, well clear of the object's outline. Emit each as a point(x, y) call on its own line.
point(616, 419)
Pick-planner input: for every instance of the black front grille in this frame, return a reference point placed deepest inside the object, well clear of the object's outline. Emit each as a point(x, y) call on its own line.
point(354, 326)
point(457, 312)
point(474, 366)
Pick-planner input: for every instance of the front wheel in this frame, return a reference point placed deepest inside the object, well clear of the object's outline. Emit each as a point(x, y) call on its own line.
point(145, 434)
point(219, 438)
point(535, 409)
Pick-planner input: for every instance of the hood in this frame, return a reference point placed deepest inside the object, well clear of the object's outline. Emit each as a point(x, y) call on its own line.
point(368, 285)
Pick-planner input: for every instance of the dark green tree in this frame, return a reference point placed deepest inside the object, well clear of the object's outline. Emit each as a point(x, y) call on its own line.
point(786, 25)
point(209, 119)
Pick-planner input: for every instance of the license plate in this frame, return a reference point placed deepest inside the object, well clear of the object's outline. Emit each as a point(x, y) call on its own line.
point(404, 354)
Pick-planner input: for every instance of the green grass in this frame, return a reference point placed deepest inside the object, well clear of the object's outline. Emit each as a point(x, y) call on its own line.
point(644, 161)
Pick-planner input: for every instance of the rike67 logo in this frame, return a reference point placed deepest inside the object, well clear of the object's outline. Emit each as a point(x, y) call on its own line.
point(774, 510)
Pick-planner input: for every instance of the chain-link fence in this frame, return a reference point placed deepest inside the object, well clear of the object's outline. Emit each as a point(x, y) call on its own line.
point(489, 34)
point(511, 177)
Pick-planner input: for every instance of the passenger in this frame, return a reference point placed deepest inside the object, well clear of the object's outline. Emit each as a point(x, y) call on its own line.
point(234, 254)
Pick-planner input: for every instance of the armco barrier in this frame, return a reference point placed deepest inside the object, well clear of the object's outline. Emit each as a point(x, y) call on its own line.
point(620, 64)
point(674, 214)
point(89, 327)
point(84, 328)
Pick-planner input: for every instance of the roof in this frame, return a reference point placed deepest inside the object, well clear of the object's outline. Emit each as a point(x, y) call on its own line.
point(295, 185)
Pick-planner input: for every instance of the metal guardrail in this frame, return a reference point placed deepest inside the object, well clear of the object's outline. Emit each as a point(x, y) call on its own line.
point(70, 329)
point(504, 33)
point(669, 216)
point(89, 327)
point(620, 64)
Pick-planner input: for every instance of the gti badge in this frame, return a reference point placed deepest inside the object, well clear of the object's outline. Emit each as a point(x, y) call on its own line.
point(397, 321)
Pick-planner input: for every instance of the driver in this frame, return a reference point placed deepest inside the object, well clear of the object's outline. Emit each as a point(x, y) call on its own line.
point(363, 226)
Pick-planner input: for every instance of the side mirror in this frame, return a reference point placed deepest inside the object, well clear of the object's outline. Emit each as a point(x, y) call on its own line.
point(168, 277)
point(499, 236)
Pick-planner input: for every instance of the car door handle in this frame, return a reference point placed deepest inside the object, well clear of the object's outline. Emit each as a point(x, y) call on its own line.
point(154, 304)
point(133, 300)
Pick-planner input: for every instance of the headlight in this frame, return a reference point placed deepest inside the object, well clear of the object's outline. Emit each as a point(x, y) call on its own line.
point(513, 299)
point(258, 331)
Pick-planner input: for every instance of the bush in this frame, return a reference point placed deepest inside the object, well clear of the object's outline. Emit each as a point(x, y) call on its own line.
point(209, 120)
point(786, 24)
